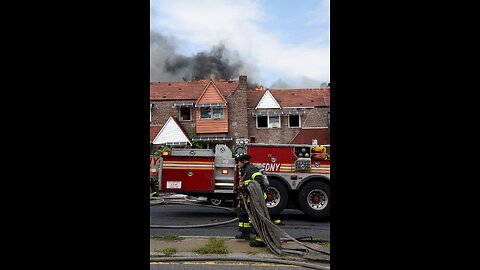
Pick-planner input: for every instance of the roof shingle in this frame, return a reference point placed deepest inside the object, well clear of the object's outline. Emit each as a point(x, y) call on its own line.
point(314, 97)
point(187, 90)
point(306, 135)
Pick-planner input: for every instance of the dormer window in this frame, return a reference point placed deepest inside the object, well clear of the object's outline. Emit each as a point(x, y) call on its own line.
point(212, 113)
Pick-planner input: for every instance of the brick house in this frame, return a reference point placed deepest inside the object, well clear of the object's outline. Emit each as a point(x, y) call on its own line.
point(213, 112)
point(282, 116)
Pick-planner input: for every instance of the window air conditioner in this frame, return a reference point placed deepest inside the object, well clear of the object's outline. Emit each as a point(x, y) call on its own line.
point(217, 116)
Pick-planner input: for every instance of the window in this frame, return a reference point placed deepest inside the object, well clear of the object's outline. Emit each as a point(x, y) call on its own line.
point(274, 121)
point(205, 113)
point(262, 122)
point(212, 113)
point(185, 114)
point(294, 121)
point(328, 119)
point(218, 113)
point(268, 122)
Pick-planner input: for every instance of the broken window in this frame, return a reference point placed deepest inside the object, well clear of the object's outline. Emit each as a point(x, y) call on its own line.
point(185, 114)
point(218, 113)
point(262, 121)
point(206, 113)
point(294, 121)
point(268, 122)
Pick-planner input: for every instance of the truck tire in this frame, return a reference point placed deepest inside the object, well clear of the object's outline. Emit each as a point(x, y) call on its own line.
point(314, 199)
point(277, 197)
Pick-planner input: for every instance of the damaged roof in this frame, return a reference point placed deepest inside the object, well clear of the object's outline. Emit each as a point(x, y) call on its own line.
point(312, 97)
point(187, 90)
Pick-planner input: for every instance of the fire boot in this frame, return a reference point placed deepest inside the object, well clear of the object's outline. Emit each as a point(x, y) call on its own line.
point(243, 235)
point(256, 241)
point(244, 228)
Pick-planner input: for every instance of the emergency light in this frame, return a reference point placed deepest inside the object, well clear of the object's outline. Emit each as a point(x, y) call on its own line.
point(166, 153)
point(224, 171)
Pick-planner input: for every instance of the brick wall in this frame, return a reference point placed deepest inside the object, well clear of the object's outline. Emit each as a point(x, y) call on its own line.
point(162, 110)
point(237, 107)
point(316, 117)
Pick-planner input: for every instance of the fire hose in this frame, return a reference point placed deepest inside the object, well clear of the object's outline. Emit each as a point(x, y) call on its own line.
point(269, 232)
point(165, 201)
point(244, 259)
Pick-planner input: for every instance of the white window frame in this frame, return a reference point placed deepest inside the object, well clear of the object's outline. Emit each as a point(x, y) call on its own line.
point(268, 121)
point(299, 121)
point(180, 114)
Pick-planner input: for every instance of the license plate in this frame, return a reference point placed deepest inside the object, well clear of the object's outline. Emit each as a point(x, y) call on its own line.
point(174, 184)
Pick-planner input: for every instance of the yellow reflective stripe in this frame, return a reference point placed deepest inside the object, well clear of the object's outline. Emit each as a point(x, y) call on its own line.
point(264, 196)
point(246, 182)
point(255, 175)
point(246, 225)
point(258, 239)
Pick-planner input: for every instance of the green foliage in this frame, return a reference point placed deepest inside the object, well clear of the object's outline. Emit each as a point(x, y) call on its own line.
point(214, 246)
point(163, 148)
point(169, 251)
point(192, 134)
point(171, 237)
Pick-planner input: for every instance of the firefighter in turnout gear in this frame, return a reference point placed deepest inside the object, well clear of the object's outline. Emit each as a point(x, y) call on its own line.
point(248, 173)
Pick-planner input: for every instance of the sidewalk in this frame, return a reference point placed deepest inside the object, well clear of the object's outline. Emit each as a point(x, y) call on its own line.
point(236, 249)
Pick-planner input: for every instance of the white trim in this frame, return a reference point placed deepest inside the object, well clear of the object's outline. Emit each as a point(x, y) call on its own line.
point(176, 135)
point(299, 121)
point(265, 98)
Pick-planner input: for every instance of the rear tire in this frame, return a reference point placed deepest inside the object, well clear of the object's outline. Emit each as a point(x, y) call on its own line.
point(279, 197)
point(314, 199)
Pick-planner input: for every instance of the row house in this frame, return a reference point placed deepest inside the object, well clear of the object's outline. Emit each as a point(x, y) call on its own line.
point(208, 112)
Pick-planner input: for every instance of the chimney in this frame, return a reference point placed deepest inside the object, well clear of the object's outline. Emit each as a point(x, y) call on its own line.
point(242, 83)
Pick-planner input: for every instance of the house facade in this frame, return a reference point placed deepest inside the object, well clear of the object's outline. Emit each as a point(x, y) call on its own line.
point(211, 112)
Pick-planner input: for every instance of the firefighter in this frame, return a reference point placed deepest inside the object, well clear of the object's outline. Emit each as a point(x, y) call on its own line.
point(248, 173)
point(154, 188)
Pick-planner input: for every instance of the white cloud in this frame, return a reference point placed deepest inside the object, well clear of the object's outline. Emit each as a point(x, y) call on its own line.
point(238, 25)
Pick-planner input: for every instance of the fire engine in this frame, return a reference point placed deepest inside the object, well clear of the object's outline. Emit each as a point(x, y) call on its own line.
point(299, 177)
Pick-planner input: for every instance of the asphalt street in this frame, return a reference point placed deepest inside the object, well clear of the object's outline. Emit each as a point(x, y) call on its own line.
point(221, 265)
point(297, 224)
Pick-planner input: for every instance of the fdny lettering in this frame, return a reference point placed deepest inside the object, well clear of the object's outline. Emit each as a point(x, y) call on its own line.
point(154, 161)
point(272, 167)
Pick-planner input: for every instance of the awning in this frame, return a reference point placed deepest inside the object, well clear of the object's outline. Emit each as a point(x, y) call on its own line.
point(280, 113)
point(212, 139)
point(214, 105)
point(176, 143)
point(182, 104)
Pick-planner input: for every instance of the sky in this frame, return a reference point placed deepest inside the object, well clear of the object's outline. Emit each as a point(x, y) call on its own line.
point(280, 43)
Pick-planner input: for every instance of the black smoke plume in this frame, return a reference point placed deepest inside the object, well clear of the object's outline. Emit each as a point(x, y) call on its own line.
point(167, 65)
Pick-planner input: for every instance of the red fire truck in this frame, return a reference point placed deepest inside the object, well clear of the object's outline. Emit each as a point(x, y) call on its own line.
point(297, 179)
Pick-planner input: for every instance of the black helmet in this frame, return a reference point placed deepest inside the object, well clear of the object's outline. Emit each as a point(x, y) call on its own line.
point(242, 157)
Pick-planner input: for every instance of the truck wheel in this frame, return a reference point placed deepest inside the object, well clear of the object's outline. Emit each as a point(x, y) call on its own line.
point(314, 199)
point(277, 197)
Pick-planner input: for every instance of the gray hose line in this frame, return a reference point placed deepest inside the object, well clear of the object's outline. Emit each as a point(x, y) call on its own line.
point(245, 259)
point(193, 226)
point(196, 225)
